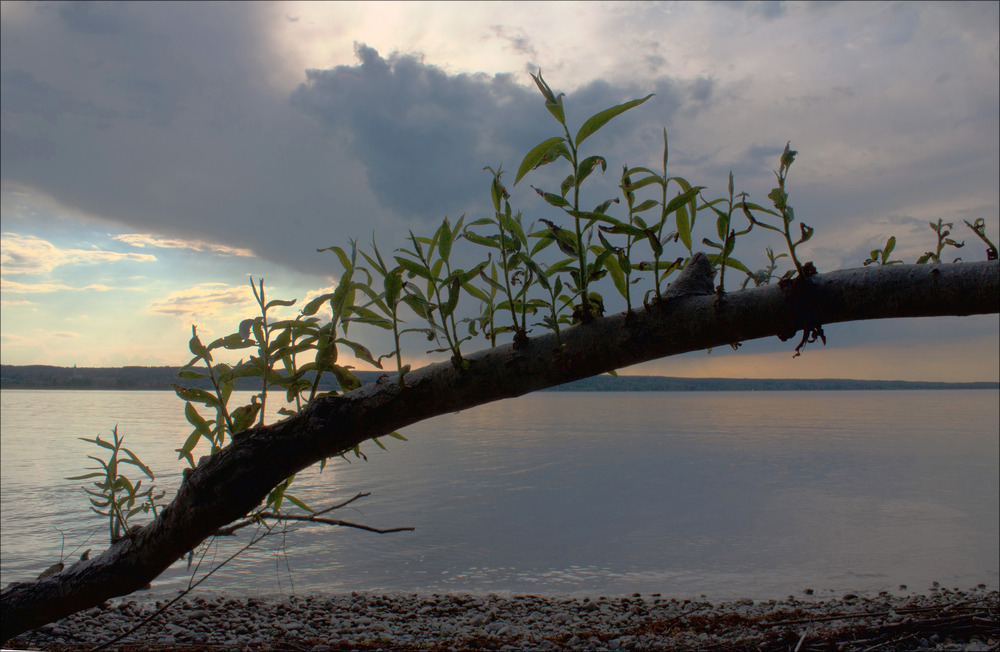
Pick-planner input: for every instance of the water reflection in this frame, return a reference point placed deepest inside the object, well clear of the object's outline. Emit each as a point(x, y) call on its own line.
point(730, 494)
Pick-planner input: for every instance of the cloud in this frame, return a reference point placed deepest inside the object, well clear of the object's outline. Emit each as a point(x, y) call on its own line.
point(516, 37)
point(10, 303)
point(141, 240)
point(120, 118)
point(26, 254)
point(423, 136)
point(17, 287)
point(24, 94)
point(203, 301)
point(195, 126)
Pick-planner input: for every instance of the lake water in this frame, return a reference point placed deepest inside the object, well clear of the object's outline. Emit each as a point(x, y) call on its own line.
point(723, 494)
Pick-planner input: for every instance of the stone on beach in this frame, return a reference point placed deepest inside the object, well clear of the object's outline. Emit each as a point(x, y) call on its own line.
point(958, 620)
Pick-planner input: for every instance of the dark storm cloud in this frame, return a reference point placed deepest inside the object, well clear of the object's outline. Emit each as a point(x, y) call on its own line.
point(22, 93)
point(160, 117)
point(422, 135)
point(767, 9)
point(91, 17)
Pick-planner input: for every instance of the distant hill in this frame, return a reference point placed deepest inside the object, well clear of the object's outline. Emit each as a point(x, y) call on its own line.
point(161, 378)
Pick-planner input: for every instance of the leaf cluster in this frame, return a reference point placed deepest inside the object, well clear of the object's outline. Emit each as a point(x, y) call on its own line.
point(114, 495)
point(545, 272)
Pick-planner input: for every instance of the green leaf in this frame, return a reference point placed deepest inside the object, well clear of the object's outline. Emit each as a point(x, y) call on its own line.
point(197, 395)
point(603, 208)
point(361, 352)
point(348, 381)
point(314, 305)
point(645, 206)
point(299, 503)
point(682, 198)
point(496, 286)
point(722, 226)
point(788, 156)
point(626, 229)
point(890, 244)
point(716, 260)
point(654, 242)
point(232, 342)
point(735, 264)
point(617, 275)
point(279, 302)
point(514, 226)
point(343, 299)
point(196, 420)
point(683, 226)
point(476, 292)
point(86, 477)
point(344, 260)
point(665, 153)
point(535, 157)
point(197, 348)
point(565, 239)
point(444, 238)
point(779, 198)
point(492, 241)
point(551, 198)
point(454, 289)
point(189, 444)
point(556, 109)
point(244, 417)
point(413, 268)
point(588, 164)
point(566, 184)
point(543, 87)
point(598, 120)
point(393, 285)
point(645, 181)
point(596, 217)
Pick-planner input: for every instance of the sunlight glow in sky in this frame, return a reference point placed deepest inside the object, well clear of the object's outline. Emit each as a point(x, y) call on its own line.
point(157, 155)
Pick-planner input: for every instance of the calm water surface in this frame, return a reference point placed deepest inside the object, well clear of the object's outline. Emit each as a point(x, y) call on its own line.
point(726, 494)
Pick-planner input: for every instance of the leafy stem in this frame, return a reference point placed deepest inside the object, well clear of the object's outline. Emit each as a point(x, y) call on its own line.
point(115, 496)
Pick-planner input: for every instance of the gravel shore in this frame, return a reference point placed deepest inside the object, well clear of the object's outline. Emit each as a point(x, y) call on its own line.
point(940, 619)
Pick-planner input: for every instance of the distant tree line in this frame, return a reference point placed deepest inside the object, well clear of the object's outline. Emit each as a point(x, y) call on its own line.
point(163, 379)
point(115, 378)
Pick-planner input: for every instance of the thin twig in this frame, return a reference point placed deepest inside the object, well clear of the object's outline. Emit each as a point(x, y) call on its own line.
point(361, 494)
point(310, 518)
point(230, 529)
point(190, 588)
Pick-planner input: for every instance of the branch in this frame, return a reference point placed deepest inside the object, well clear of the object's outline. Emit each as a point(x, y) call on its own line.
point(231, 483)
point(229, 530)
point(309, 518)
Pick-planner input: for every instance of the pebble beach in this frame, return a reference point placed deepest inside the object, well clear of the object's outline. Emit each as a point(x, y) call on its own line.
point(938, 619)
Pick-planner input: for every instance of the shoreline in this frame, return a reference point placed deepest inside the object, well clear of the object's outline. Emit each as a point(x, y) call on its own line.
point(942, 619)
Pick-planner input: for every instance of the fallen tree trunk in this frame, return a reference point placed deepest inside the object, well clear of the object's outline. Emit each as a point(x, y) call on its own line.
point(226, 486)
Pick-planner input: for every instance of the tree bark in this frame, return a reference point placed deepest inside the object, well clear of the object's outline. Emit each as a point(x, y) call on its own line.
point(226, 486)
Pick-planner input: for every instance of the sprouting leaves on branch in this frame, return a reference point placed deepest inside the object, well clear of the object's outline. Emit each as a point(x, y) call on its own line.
point(506, 273)
point(545, 272)
point(114, 494)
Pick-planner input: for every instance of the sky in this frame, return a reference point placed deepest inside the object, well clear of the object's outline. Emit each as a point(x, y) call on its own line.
point(157, 156)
